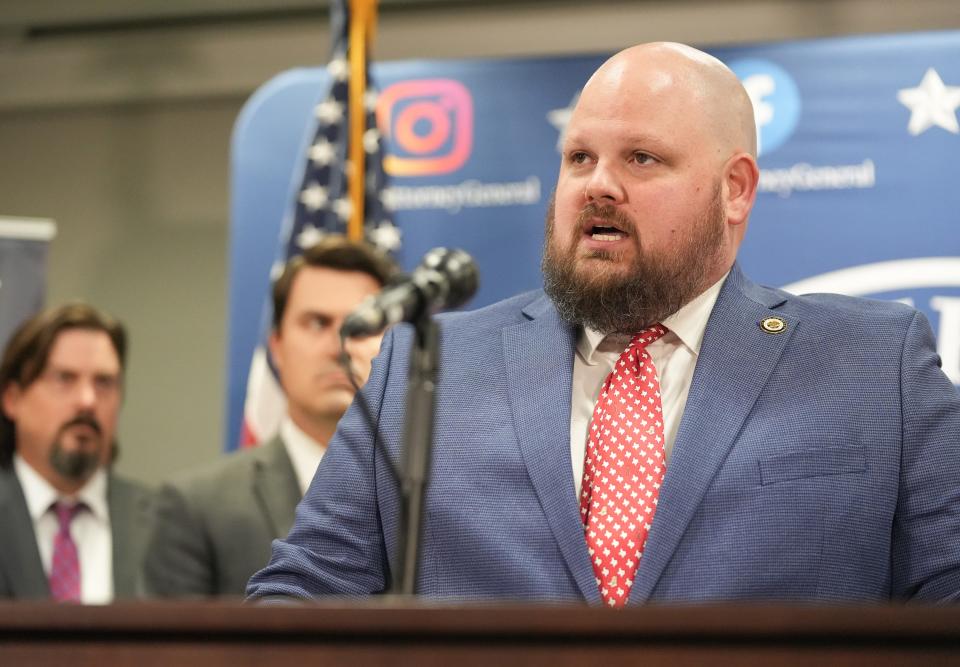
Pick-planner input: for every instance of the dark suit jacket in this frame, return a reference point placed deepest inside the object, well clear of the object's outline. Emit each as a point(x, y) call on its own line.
point(820, 463)
point(214, 527)
point(21, 572)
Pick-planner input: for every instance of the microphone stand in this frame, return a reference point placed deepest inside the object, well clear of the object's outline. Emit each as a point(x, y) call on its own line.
point(417, 446)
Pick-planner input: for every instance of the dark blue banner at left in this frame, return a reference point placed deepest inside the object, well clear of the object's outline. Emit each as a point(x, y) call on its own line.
point(23, 269)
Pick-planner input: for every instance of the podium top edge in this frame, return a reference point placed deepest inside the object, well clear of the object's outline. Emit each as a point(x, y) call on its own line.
point(227, 621)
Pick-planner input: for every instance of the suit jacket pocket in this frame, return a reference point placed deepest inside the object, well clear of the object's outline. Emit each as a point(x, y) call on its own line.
point(812, 463)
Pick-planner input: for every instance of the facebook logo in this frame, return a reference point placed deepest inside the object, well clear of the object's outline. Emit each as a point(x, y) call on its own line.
point(775, 98)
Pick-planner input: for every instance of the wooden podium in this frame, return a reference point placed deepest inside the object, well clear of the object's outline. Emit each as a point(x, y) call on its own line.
point(211, 634)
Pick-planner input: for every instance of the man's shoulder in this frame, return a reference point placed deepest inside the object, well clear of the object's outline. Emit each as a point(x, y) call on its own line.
point(843, 310)
point(481, 326)
point(132, 503)
point(840, 319)
point(517, 308)
point(228, 473)
point(8, 477)
point(10, 490)
point(129, 486)
point(833, 308)
point(838, 308)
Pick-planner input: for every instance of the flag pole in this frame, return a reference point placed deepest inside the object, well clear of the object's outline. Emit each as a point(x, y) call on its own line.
point(363, 15)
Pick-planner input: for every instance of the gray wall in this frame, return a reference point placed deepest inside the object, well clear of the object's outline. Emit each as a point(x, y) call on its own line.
point(116, 120)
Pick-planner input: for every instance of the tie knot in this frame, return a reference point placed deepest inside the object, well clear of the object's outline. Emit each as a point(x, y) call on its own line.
point(648, 335)
point(66, 512)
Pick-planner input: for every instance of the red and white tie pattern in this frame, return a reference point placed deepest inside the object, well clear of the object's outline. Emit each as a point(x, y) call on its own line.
point(65, 565)
point(623, 468)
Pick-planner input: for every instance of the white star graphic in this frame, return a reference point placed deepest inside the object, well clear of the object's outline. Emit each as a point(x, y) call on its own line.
point(276, 269)
point(559, 119)
point(371, 140)
point(370, 99)
point(329, 111)
point(338, 69)
point(931, 103)
point(309, 236)
point(322, 152)
point(386, 198)
point(314, 197)
point(343, 208)
point(386, 236)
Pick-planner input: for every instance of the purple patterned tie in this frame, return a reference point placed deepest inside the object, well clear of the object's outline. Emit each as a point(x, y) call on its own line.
point(65, 566)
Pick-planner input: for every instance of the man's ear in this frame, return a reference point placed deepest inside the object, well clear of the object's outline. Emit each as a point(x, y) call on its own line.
point(10, 399)
point(741, 177)
point(273, 347)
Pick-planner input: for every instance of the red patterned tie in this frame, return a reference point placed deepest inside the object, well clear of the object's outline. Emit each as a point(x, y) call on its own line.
point(623, 468)
point(65, 566)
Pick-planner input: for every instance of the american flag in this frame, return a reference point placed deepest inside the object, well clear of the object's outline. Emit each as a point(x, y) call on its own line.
point(322, 206)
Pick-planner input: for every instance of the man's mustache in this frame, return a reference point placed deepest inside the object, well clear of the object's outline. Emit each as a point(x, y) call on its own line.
point(83, 420)
point(612, 214)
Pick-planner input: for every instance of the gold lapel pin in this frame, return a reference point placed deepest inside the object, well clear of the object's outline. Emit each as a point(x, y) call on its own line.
point(773, 325)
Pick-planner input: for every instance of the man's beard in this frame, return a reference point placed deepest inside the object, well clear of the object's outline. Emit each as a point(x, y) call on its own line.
point(653, 288)
point(76, 466)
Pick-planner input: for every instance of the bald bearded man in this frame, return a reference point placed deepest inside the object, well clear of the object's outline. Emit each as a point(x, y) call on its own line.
point(655, 426)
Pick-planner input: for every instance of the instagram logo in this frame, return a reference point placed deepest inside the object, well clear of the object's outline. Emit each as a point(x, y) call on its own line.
point(431, 124)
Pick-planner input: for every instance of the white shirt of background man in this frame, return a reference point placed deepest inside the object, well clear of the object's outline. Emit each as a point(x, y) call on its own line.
point(90, 528)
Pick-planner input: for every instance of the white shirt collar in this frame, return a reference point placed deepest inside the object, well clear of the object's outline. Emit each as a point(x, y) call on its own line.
point(304, 452)
point(40, 495)
point(686, 325)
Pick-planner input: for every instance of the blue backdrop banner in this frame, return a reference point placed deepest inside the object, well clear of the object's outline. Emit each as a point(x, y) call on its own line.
point(23, 270)
point(859, 147)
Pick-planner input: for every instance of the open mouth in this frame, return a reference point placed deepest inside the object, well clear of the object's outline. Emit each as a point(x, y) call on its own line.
point(606, 234)
point(603, 232)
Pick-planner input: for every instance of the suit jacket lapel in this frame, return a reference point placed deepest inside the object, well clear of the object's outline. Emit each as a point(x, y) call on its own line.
point(131, 521)
point(275, 487)
point(539, 362)
point(735, 362)
point(19, 555)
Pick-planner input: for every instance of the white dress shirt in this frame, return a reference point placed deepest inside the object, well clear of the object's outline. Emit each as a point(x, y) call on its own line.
point(304, 452)
point(674, 356)
point(90, 528)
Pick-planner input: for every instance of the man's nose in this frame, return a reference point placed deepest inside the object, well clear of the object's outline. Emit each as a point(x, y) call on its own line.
point(331, 341)
point(86, 395)
point(604, 185)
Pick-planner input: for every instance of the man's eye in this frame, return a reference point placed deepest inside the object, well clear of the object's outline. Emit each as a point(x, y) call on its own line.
point(578, 157)
point(318, 323)
point(63, 377)
point(643, 158)
point(106, 383)
point(60, 380)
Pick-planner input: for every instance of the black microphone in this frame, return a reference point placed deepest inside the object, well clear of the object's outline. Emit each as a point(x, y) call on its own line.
point(445, 279)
